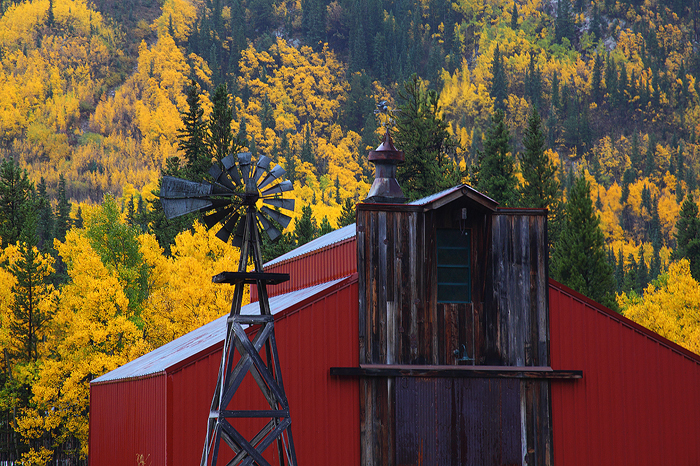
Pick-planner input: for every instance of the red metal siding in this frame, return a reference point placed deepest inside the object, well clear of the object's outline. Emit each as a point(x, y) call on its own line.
point(638, 400)
point(325, 410)
point(126, 421)
point(335, 261)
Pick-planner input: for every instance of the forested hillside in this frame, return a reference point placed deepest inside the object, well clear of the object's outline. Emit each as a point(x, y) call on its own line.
point(590, 109)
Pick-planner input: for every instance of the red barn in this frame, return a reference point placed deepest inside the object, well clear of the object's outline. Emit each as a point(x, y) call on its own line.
point(429, 334)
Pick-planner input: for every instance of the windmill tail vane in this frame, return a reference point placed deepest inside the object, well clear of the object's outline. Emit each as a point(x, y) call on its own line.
point(231, 201)
point(236, 187)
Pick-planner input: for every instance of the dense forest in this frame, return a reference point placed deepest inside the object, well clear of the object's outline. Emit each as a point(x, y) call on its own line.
point(589, 109)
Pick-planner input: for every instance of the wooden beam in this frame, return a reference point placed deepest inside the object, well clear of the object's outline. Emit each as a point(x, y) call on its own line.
point(250, 277)
point(517, 372)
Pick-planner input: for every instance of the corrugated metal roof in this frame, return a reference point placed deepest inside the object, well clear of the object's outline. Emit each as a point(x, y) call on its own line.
point(188, 345)
point(333, 237)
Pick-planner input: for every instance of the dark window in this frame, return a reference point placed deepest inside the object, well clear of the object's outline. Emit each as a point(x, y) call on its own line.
point(453, 270)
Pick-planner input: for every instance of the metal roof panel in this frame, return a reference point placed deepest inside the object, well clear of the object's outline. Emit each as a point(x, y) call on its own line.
point(188, 345)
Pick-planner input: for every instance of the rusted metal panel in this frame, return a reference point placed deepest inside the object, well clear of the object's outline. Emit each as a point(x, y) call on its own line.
point(126, 422)
point(458, 421)
point(637, 402)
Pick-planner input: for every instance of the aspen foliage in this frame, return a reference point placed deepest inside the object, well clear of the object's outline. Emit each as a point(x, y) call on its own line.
point(670, 306)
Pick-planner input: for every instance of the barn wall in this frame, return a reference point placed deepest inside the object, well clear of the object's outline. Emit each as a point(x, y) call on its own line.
point(127, 421)
point(324, 410)
point(323, 265)
point(638, 400)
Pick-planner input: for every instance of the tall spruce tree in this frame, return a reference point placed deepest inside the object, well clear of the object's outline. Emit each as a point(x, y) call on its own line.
point(18, 204)
point(422, 135)
point(499, 83)
point(541, 188)
point(305, 228)
point(347, 213)
point(30, 306)
point(688, 235)
point(496, 172)
point(579, 259)
point(63, 208)
point(192, 137)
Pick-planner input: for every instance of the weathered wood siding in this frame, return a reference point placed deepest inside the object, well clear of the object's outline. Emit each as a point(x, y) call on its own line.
point(401, 321)
point(516, 324)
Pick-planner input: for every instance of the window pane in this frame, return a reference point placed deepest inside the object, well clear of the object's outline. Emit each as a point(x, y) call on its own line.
point(453, 266)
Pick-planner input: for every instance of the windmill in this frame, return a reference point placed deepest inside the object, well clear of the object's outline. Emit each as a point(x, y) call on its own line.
point(232, 201)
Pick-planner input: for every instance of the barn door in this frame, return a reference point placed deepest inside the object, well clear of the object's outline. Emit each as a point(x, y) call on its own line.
point(458, 421)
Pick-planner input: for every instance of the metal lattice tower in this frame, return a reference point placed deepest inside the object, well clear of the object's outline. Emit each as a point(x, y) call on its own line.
point(232, 200)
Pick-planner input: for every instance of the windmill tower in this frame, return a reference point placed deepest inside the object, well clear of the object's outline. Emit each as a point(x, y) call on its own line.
point(232, 200)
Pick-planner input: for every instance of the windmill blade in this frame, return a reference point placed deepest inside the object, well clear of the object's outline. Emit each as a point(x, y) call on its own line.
point(215, 217)
point(262, 165)
point(277, 173)
point(238, 238)
point(286, 204)
point(229, 163)
point(220, 177)
point(177, 188)
point(177, 207)
point(244, 159)
point(272, 232)
point(227, 229)
point(284, 186)
point(278, 217)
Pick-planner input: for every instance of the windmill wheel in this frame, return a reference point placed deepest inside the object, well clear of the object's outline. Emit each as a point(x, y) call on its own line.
point(235, 191)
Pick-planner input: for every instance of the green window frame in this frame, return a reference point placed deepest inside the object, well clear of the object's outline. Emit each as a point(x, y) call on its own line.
point(454, 284)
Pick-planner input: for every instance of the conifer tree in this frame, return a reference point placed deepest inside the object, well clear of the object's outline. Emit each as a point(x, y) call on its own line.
point(305, 228)
point(579, 259)
point(347, 213)
point(620, 271)
point(422, 135)
point(18, 205)
point(499, 83)
point(541, 187)
point(325, 226)
point(687, 235)
point(63, 220)
point(642, 273)
point(31, 295)
point(191, 139)
point(307, 151)
point(219, 139)
point(497, 165)
point(597, 78)
point(514, 17)
point(564, 26)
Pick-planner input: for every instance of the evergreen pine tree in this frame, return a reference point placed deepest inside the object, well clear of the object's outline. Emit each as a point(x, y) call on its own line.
point(497, 166)
point(191, 138)
point(580, 260)
point(564, 26)
point(347, 213)
point(620, 271)
point(597, 78)
point(305, 226)
point(687, 235)
point(31, 287)
point(307, 152)
point(63, 220)
point(18, 204)
point(220, 141)
point(541, 186)
point(514, 17)
point(325, 226)
point(499, 83)
point(642, 273)
point(422, 135)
